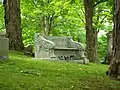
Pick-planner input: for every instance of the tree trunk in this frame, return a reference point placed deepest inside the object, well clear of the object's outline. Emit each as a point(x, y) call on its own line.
point(43, 25)
point(13, 24)
point(114, 69)
point(96, 60)
point(90, 33)
point(47, 25)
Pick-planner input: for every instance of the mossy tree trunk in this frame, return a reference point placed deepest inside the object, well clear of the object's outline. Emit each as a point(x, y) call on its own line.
point(91, 35)
point(13, 24)
point(114, 69)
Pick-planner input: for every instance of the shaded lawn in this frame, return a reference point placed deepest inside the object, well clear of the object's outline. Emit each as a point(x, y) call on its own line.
point(24, 73)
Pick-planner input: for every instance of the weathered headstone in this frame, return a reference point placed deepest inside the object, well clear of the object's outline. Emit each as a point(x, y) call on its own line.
point(4, 47)
point(109, 48)
point(110, 45)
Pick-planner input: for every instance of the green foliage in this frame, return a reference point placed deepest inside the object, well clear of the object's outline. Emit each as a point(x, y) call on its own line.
point(65, 13)
point(1, 17)
point(24, 73)
point(68, 19)
point(103, 17)
point(102, 47)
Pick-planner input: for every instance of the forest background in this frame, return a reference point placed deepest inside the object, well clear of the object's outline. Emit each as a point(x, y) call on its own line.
point(63, 18)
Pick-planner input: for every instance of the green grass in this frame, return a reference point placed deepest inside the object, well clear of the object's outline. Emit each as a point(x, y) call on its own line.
point(24, 73)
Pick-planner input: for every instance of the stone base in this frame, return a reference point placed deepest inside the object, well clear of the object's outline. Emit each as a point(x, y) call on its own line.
point(74, 61)
point(42, 58)
point(3, 57)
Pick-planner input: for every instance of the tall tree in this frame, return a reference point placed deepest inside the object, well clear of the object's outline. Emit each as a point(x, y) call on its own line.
point(13, 24)
point(114, 69)
point(90, 37)
point(91, 29)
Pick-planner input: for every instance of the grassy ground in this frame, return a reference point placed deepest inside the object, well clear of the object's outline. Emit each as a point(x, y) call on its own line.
point(24, 73)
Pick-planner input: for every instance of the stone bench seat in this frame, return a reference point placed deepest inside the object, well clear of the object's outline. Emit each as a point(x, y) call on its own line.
point(59, 48)
point(63, 48)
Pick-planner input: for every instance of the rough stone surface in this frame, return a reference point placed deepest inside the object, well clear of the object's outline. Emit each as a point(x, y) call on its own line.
point(61, 48)
point(4, 47)
point(29, 50)
point(2, 34)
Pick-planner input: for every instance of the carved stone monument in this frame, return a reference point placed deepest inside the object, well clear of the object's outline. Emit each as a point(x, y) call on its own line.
point(4, 46)
point(59, 48)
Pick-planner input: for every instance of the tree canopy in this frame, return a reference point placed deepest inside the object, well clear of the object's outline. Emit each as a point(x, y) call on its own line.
point(63, 18)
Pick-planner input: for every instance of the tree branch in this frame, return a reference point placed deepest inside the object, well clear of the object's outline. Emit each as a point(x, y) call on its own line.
point(99, 2)
point(80, 17)
point(103, 19)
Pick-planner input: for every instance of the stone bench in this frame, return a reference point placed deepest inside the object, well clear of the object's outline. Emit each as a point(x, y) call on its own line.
point(4, 47)
point(59, 48)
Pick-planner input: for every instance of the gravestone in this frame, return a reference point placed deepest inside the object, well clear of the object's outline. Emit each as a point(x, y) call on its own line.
point(109, 46)
point(107, 58)
point(4, 46)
